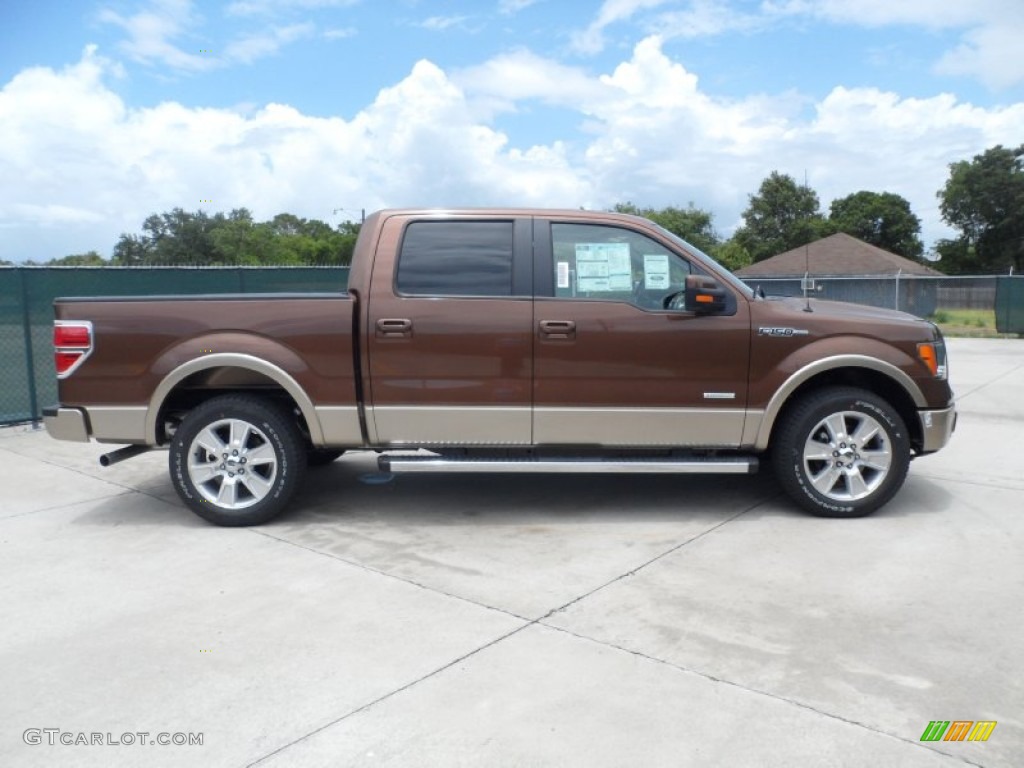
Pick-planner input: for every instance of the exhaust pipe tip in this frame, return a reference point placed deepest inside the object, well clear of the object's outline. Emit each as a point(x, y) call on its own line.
point(121, 454)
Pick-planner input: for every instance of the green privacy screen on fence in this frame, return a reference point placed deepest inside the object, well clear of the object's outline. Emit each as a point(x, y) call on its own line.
point(27, 379)
point(1010, 304)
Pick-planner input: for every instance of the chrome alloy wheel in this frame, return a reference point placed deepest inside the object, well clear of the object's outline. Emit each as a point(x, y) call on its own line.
point(847, 456)
point(232, 464)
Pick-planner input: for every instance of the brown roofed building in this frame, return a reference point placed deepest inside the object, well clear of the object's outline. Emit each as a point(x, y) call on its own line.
point(836, 255)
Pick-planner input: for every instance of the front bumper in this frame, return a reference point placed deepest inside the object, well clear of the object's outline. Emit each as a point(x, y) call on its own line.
point(936, 428)
point(66, 424)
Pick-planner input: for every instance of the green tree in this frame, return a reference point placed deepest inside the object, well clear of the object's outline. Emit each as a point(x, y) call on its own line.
point(90, 259)
point(132, 250)
point(181, 237)
point(781, 216)
point(883, 219)
point(693, 224)
point(173, 238)
point(958, 257)
point(732, 255)
point(984, 200)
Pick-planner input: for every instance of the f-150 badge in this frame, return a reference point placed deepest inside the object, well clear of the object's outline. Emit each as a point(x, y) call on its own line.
point(782, 332)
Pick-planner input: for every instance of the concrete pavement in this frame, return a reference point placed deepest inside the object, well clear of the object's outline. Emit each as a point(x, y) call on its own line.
point(518, 621)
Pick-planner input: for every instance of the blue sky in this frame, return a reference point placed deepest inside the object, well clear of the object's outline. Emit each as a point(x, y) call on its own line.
point(113, 110)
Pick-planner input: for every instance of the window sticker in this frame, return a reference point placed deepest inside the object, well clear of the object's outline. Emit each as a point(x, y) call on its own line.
point(656, 271)
point(602, 267)
point(563, 274)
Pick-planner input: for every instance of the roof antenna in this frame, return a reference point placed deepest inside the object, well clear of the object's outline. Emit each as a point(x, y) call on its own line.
point(807, 266)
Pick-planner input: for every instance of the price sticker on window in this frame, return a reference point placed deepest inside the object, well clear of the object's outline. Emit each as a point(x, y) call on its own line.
point(656, 271)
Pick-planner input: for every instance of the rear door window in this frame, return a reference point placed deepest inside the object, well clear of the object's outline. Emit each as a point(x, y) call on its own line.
point(456, 258)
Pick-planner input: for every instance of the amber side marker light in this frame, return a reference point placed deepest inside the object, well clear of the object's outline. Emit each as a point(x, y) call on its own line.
point(704, 298)
point(932, 355)
point(72, 344)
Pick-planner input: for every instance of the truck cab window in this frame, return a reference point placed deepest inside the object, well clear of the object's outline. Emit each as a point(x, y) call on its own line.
point(456, 258)
point(614, 264)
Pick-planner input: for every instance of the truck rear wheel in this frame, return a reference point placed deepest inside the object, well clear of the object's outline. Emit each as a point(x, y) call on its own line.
point(841, 452)
point(237, 460)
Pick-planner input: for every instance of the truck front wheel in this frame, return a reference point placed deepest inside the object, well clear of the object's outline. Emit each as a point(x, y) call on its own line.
point(237, 460)
point(841, 452)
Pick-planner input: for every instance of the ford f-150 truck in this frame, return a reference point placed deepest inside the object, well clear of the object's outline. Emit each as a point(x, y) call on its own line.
point(506, 341)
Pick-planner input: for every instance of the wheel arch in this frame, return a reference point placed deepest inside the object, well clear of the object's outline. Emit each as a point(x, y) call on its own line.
point(877, 376)
point(216, 374)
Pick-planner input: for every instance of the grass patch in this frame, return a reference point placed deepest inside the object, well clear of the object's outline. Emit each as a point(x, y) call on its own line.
point(972, 323)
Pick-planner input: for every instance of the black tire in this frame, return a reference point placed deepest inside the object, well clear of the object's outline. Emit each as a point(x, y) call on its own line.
point(264, 464)
point(821, 466)
point(321, 457)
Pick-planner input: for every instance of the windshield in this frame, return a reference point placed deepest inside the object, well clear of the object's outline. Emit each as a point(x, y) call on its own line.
point(693, 250)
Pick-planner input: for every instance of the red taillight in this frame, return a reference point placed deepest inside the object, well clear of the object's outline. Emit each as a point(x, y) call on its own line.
point(65, 361)
point(72, 343)
point(72, 336)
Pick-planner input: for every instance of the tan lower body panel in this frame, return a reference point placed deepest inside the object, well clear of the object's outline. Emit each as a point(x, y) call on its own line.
point(118, 424)
point(610, 427)
point(340, 425)
point(451, 425)
point(639, 427)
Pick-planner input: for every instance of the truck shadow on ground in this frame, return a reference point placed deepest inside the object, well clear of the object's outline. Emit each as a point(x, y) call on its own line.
point(352, 488)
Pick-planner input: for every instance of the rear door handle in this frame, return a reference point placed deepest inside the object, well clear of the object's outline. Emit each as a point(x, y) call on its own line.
point(558, 329)
point(394, 328)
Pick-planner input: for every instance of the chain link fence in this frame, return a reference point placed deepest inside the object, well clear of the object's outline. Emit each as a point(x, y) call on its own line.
point(27, 378)
point(917, 294)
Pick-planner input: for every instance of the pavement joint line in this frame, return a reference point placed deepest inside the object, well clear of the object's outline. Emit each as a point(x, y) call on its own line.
point(757, 692)
point(658, 557)
point(84, 474)
point(959, 481)
point(529, 622)
point(58, 507)
point(989, 383)
point(395, 692)
point(395, 577)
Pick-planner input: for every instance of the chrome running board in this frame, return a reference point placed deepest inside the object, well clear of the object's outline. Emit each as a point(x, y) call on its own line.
point(730, 465)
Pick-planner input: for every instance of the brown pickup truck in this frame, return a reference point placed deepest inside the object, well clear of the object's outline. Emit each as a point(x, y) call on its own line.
point(506, 341)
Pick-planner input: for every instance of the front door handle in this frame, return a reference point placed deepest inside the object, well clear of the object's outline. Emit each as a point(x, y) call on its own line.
point(558, 329)
point(394, 328)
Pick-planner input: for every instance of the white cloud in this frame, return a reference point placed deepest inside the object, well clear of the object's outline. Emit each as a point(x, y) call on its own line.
point(89, 167)
point(150, 35)
point(591, 39)
point(441, 23)
point(992, 30)
point(500, 83)
point(991, 53)
point(153, 37)
point(270, 7)
point(705, 18)
point(341, 33)
point(509, 7)
point(245, 50)
point(988, 49)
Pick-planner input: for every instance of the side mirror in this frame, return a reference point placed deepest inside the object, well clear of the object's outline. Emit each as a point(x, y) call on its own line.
point(704, 296)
